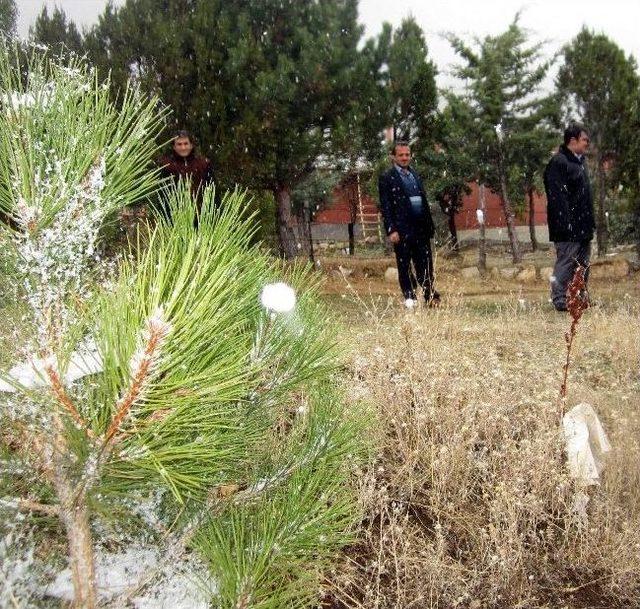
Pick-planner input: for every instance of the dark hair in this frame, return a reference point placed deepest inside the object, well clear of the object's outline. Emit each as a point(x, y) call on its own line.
point(398, 143)
point(184, 133)
point(573, 131)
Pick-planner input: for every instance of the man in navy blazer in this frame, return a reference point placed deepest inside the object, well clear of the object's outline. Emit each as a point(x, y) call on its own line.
point(409, 226)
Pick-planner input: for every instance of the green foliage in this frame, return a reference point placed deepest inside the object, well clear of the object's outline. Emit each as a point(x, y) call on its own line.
point(504, 90)
point(450, 165)
point(8, 16)
point(511, 119)
point(200, 384)
point(601, 83)
point(262, 84)
point(47, 150)
point(602, 87)
point(315, 190)
point(410, 80)
point(55, 32)
point(227, 366)
point(259, 552)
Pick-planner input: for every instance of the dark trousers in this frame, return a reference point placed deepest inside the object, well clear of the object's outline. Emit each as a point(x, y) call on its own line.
point(415, 249)
point(568, 256)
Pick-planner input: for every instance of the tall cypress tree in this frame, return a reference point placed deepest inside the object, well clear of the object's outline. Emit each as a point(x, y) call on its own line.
point(504, 77)
point(8, 16)
point(412, 92)
point(56, 32)
point(601, 86)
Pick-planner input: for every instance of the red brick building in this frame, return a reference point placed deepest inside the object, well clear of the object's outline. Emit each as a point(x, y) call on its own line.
point(351, 204)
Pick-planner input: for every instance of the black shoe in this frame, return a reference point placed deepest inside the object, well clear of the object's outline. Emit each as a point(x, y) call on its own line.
point(561, 308)
point(434, 301)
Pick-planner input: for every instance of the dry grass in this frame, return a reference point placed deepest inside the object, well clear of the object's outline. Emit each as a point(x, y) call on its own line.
point(468, 503)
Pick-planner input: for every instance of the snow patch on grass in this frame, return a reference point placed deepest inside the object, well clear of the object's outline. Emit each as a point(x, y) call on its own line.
point(183, 586)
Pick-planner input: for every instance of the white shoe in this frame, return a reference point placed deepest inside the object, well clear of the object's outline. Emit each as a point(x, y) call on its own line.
point(410, 303)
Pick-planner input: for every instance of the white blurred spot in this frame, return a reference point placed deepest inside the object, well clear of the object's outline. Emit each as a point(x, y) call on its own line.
point(278, 297)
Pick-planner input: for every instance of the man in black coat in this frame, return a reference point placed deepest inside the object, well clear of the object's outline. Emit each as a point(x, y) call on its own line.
point(409, 226)
point(569, 210)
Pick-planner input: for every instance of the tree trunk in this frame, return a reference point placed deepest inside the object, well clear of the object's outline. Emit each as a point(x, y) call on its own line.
point(602, 230)
point(509, 216)
point(74, 514)
point(308, 233)
point(482, 242)
point(81, 559)
point(286, 234)
point(352, 239)
point(532, 220)
point(451, 218)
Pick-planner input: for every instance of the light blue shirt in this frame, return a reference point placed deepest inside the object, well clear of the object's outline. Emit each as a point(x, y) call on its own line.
point(412, 189)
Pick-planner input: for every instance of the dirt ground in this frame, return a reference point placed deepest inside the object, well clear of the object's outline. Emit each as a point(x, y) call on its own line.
point(367, 285)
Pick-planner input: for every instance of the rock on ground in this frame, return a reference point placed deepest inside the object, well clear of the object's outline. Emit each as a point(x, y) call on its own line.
point(546, 273)
point(527, 275)
point(391, 275)
point(607, 268)
point(470, 272)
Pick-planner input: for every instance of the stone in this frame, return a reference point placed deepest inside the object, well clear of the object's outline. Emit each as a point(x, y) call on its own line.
point(546, 273)
point(527, 274)
point(509, 272)
point(470, 272)
point(609, 268)
point(391, 275)
point(344, 271)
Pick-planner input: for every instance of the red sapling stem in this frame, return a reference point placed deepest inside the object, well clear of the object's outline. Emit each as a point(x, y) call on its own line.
point(577, 303)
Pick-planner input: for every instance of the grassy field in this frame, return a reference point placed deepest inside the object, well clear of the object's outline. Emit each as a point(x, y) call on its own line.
point(468, 503)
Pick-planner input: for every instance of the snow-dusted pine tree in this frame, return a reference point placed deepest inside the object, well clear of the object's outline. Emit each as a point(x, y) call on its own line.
point(190, 373)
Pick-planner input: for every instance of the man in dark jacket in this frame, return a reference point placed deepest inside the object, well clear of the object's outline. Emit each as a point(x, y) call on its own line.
point(569, 210)
point(183, 162)
point(409, 226)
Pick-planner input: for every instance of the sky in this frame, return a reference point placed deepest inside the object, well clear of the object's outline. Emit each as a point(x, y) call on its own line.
point(554, 22)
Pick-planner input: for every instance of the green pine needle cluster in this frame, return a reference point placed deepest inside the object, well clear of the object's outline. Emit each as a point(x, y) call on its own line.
point(205, 396)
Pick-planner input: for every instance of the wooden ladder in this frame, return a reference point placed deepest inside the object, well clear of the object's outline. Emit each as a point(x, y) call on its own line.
point(369, 217)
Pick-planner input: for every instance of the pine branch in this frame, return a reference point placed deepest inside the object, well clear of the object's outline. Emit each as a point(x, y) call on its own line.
point(58, 390)
point(28, 505)
point(143, 363)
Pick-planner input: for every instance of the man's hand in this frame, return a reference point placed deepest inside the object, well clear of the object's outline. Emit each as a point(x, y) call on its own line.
point(394, 237)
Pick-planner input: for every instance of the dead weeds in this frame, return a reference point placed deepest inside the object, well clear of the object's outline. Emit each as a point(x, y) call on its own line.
point(468, 503)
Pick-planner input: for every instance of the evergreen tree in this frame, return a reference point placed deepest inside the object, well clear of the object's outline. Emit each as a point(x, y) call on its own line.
point(8, 17)
point(263, 84)
point(504, 77)
point(180, 375)
point(410, 77)
point(601, 85)
point(526, 178)
point(55, 32)
point(450, 164)
point(628, 166)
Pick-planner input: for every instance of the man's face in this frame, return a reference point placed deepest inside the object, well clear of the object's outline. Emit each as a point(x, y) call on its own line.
point(402, 156)
point(580, 145)
point(182, 146)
